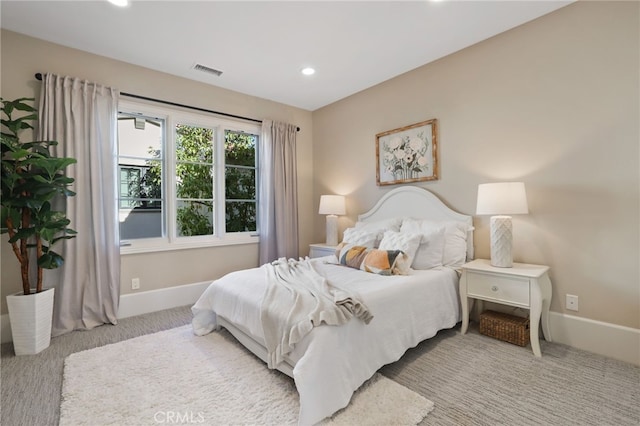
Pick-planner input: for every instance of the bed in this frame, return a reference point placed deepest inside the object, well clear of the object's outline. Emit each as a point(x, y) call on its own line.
point(330, 362)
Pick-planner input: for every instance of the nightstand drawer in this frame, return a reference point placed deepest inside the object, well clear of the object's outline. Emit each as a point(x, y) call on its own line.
point(512, 290)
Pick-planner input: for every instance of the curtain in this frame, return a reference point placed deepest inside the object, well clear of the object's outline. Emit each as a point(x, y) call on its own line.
point(277, 192)
point(82, 117)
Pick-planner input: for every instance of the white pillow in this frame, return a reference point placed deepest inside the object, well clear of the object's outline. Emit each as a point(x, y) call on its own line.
point(380, 227)
point(392, 224)
point(455, 244)
point(454, 252)
point(430, 251)
point(407, 242)
point(360, 237)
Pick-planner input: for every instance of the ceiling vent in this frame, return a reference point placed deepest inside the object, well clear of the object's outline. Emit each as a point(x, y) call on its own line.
point(206, 69)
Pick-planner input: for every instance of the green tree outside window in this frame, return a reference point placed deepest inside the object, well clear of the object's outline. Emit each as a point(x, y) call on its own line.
point(195, 178)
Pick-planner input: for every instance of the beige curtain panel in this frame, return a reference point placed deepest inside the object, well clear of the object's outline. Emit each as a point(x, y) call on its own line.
point(82, 117)
point(277, 192)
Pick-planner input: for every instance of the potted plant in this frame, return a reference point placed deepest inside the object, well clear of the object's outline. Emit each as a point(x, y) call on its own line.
point(31, 179)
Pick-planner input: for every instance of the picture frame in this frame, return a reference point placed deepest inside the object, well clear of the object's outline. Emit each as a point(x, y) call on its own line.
point(408, 154)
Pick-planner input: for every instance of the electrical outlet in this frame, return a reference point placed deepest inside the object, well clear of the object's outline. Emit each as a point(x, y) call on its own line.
point(135, 283)
point(572, 302)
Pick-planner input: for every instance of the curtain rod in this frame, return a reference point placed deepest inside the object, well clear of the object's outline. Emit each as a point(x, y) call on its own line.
point(131, 95)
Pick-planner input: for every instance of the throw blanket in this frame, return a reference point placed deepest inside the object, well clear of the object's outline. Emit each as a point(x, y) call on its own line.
point(297, 299)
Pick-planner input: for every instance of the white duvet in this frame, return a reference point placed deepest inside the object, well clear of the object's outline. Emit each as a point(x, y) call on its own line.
point(332, 362)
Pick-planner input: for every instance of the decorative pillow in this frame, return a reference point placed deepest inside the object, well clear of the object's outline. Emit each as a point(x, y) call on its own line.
point(380, 227)
point(454, 252)
point(382, 262)
point(407, 242)
point(359, 237)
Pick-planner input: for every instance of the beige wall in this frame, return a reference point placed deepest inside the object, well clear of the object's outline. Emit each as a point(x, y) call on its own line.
point(553, 103)
point(23, 56)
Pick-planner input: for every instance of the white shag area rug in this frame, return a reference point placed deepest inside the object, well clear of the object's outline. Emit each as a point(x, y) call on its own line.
point(175, 377)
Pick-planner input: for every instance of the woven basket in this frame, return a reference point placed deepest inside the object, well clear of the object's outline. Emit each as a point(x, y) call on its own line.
point(508, 328)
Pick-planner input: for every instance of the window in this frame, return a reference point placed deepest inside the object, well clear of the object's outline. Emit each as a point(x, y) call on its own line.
point(185, 179)
point(194, 180)
point(141, 139)
point(240, 181)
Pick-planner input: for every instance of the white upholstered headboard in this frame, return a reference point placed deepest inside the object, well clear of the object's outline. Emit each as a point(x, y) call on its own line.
point(418, 203)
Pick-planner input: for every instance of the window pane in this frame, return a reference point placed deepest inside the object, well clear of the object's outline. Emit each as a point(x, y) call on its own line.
point(195, 218)
point(141, 222)
point(140, 142)
point(240, 216)
point(194, 144)
point(240, 183)
point(194, 181)
point(240, 149)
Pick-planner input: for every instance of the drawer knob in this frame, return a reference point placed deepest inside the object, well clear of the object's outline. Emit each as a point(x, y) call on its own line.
point(494, 288)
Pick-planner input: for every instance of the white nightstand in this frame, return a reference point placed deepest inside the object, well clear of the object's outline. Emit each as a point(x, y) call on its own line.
point(523, 285)
point(320, 250)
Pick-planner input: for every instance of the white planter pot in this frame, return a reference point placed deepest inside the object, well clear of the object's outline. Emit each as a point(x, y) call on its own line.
point(31, 318)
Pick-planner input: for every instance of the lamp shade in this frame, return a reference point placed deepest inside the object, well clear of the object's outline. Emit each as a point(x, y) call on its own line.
point(332, 204)
point(502, 198)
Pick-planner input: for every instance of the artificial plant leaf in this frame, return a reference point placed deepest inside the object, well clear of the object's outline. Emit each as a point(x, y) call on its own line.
point(50, 260)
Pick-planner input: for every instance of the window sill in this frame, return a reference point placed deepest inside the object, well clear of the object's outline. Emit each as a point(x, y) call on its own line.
point(164, 245)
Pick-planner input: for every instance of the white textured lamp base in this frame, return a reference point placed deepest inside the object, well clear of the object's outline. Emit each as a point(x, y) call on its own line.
point(501, 241)
point(332, 230)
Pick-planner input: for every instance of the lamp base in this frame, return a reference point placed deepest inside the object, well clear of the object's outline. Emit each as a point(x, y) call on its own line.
point(501, 241)
point(332, 230)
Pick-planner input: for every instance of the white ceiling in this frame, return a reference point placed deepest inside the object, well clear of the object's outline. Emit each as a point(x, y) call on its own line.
point(262, 46)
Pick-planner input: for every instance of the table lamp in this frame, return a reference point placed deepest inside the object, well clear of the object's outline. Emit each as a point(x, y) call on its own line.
point(501, 199)
point(332, 206)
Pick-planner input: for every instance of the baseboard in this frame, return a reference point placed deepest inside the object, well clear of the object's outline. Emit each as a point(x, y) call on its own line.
point(138, 303)
point(157, 300)
point(611, 340)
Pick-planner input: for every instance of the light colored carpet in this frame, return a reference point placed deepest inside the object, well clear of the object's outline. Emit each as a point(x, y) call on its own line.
point(175, 376)
point(473, 380)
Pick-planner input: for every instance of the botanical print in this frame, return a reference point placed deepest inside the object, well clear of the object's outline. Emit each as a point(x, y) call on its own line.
point(405, 157)
point(407, 154)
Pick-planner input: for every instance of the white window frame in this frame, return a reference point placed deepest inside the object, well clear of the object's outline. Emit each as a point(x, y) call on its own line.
point(171, 241)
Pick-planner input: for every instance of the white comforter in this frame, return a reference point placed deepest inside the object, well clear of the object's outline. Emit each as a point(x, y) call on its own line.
point(296, 300)
point(332, 362)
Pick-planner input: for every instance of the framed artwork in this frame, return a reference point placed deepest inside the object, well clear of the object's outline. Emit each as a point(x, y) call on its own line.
point(407, 154)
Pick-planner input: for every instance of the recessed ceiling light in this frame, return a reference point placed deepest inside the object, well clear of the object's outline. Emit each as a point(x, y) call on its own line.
point(308, 71)
point(121, 3)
